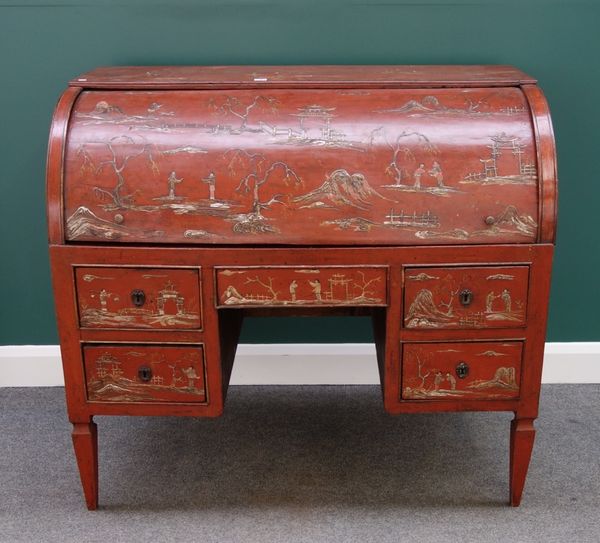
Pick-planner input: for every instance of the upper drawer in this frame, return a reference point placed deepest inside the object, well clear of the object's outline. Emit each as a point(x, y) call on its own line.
point(304, 166)
point(159, 298)
point(465, 297)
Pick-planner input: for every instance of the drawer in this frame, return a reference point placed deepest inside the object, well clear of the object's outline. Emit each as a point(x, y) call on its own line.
point(144, 373)
point(159, 298)
point(466, 297)
point(476, 371)
point(302, 286)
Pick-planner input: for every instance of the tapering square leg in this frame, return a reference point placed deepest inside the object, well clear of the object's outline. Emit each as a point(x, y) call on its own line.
point(85, 442)
point(522, 435)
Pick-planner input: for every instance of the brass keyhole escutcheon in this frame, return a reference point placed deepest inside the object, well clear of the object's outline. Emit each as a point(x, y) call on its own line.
point(462, 370)
point(145, 373)
point(138, 297)
point(466, 297)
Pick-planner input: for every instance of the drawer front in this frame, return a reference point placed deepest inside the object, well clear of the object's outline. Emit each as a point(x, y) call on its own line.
point(159, 298)
point(466, 297)
point(302, 286)
point(144, 373)
point(477, 371)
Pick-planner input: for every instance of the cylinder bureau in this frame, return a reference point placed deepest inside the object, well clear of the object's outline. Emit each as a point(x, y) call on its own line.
point(181, 199)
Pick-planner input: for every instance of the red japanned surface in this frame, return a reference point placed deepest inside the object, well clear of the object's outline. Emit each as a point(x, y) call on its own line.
point(433, 297)
point(429, 370)
point(302, 286)
point(324, 76)
point(176, 373)
point(303, 167)
point(104, 298)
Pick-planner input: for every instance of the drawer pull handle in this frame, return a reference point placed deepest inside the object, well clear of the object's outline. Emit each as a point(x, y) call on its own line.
point(490, 220)
point(466, 297)
point(138, 297)
point(462, 370)
point(145, 373)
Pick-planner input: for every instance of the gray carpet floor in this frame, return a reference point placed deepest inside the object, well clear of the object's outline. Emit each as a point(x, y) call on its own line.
point(301, 464)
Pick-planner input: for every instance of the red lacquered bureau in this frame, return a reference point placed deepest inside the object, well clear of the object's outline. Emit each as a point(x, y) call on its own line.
point(182, 198)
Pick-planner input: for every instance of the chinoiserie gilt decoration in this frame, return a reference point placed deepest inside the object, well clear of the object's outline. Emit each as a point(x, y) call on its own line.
point(181, 199)
point(497, 297)
point(302, 286)
point(171, 373)
point(386, 174)
point(428, 370)
point(171, 298)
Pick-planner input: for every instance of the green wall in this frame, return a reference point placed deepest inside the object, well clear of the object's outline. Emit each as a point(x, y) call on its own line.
point(44, 44)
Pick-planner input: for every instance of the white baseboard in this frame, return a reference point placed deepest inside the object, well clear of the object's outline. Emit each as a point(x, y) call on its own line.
point(296, 364)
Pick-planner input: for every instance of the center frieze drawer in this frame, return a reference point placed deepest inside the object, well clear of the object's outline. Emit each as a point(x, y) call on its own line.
point(159, 298)
point(459, 370)
point(144, 373)
point(465, 297)
point(302, 286)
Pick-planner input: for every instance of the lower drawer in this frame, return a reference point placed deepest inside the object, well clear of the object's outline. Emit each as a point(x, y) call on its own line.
point(144, 373)
point(461, 370)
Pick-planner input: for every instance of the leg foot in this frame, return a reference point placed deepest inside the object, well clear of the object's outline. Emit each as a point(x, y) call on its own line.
point(522, 435)
point(85, 442)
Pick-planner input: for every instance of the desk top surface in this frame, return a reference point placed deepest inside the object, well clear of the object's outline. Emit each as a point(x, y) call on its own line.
point(322, 76)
